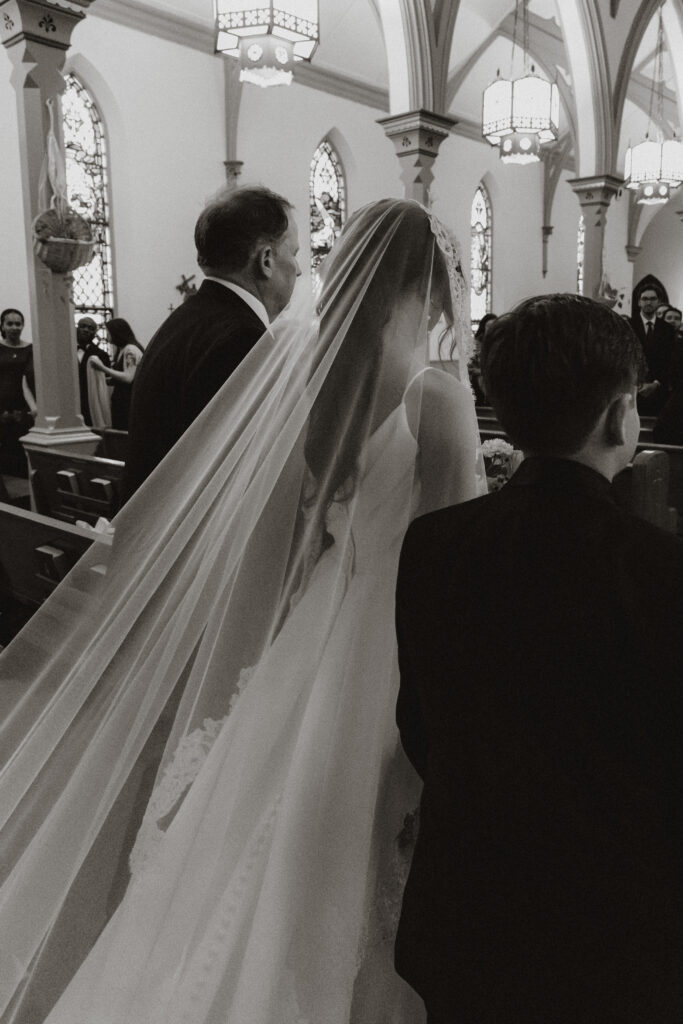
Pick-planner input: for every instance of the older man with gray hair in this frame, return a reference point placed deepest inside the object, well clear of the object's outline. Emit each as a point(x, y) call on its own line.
point(247, 245)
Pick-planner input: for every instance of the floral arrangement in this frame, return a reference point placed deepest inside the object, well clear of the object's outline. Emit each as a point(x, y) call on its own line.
point(500, 460)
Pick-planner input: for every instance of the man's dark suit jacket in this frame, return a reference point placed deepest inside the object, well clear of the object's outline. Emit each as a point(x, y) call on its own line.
point(658, 351)
point(541, 701)
point(189, 358)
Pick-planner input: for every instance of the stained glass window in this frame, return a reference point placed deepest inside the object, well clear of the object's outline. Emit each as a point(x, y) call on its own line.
point(580, 249)
point(480, 256)
point(87, 184)
point(327, 194)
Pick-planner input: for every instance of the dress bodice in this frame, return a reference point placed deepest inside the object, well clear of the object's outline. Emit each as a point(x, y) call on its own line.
point(376, 517)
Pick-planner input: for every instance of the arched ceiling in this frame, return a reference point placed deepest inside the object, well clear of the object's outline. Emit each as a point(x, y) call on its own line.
point(353, 46)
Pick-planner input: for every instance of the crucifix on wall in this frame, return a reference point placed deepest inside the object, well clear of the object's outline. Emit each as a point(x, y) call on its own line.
point(186, 287)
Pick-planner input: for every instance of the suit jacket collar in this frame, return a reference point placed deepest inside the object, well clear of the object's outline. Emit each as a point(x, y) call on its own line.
point(561, 475)
point(218, 293)
point(250, 300)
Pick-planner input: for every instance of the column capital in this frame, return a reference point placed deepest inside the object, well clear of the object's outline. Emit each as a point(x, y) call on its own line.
point(632, 252)
point(417, 129)
point(40, 21)
point(417, 136)
point(598, 190)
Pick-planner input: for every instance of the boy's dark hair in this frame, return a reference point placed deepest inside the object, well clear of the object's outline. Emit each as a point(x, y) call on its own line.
point(551, 367)
point(234, 223)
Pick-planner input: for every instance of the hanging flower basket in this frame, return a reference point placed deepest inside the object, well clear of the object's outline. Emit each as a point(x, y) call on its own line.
point(62, 239)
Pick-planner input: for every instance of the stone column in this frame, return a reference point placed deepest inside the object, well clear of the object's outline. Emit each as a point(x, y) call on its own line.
point(417, 137)
point(37, 34)
point(233, 99)
point(594, 195)
point(233, 169)
point(546, 232)
point(633, 252)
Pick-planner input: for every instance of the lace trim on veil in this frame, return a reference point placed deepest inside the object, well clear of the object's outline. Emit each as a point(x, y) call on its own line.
point(448, 245)
point(184, 767)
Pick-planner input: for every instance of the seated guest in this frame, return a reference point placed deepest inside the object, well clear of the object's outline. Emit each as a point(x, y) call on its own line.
point(92, 386)
point(126, 360)
point(541, 702)
point(674, 317)
point(17, 391)
point(656, 337)
point(474, 368)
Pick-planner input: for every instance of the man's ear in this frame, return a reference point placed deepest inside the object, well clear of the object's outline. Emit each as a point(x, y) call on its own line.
point(615, 419)
point(263, 261)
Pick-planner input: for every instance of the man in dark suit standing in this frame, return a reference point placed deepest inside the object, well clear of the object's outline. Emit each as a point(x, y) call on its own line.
point(656, 336)
point(541, 702)
point(247, 245)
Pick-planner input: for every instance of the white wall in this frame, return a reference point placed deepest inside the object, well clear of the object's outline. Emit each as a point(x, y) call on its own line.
point(13, 278)
point(516, 195)
point(279, 130)
point(662, 249)
point(163, 109)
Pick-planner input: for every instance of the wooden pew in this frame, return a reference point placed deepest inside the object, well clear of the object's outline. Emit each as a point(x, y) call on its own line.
point(74, 487)
point(674, 455)
point(643, 489)
point(114, 444)
point(36, 552)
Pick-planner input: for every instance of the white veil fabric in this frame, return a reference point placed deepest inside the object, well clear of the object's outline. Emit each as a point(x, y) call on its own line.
point(220, 681)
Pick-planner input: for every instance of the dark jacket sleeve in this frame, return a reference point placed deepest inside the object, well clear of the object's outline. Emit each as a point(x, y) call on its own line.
point(408, 710)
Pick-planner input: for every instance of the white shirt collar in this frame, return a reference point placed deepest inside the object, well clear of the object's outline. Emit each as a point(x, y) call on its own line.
point(648, 320)
point(246, 296)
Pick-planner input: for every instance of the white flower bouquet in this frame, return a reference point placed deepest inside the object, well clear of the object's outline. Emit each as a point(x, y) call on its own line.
point(500, 460)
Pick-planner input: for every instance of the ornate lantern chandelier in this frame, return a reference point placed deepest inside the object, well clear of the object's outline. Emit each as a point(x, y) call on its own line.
point(521, 114)
point(267, 36)
point(655, 168)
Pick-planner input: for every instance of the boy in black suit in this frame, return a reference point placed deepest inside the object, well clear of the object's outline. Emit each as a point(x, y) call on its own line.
point(541, 701)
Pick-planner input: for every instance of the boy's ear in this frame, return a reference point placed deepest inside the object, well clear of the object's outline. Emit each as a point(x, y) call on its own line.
point(615, 420)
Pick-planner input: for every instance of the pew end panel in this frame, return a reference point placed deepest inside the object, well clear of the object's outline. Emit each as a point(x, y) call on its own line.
point(36, 553)
point(73, 487)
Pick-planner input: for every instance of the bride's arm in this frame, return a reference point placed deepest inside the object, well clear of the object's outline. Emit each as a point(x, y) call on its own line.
point(448, 439)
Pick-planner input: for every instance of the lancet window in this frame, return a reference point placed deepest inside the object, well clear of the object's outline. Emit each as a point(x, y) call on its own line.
point(327, 195)
point(480, 255)
point(87, 184)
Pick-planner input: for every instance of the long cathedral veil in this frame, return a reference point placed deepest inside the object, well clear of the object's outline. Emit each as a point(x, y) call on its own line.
point(136, 660)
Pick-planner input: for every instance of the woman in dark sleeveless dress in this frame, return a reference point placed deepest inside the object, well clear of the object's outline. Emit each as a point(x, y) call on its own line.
point(128, 353)
point(17, 388)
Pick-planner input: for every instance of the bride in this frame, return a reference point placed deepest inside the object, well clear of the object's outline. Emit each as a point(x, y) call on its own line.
point(246, 607)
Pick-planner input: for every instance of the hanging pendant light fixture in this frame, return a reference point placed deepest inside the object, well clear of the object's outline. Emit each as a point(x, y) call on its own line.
point(654, 168)
point(521, 114)
point(267, 36)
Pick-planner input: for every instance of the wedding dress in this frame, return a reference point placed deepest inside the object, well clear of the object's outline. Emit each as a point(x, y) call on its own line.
point(268, 870)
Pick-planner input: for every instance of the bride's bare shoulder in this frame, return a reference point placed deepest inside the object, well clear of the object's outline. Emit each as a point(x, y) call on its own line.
point(440, 401)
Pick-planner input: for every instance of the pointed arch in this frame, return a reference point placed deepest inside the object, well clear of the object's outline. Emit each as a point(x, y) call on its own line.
point(87, 183)
point(481, 252)
point(584, 38)
point(327, 203)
